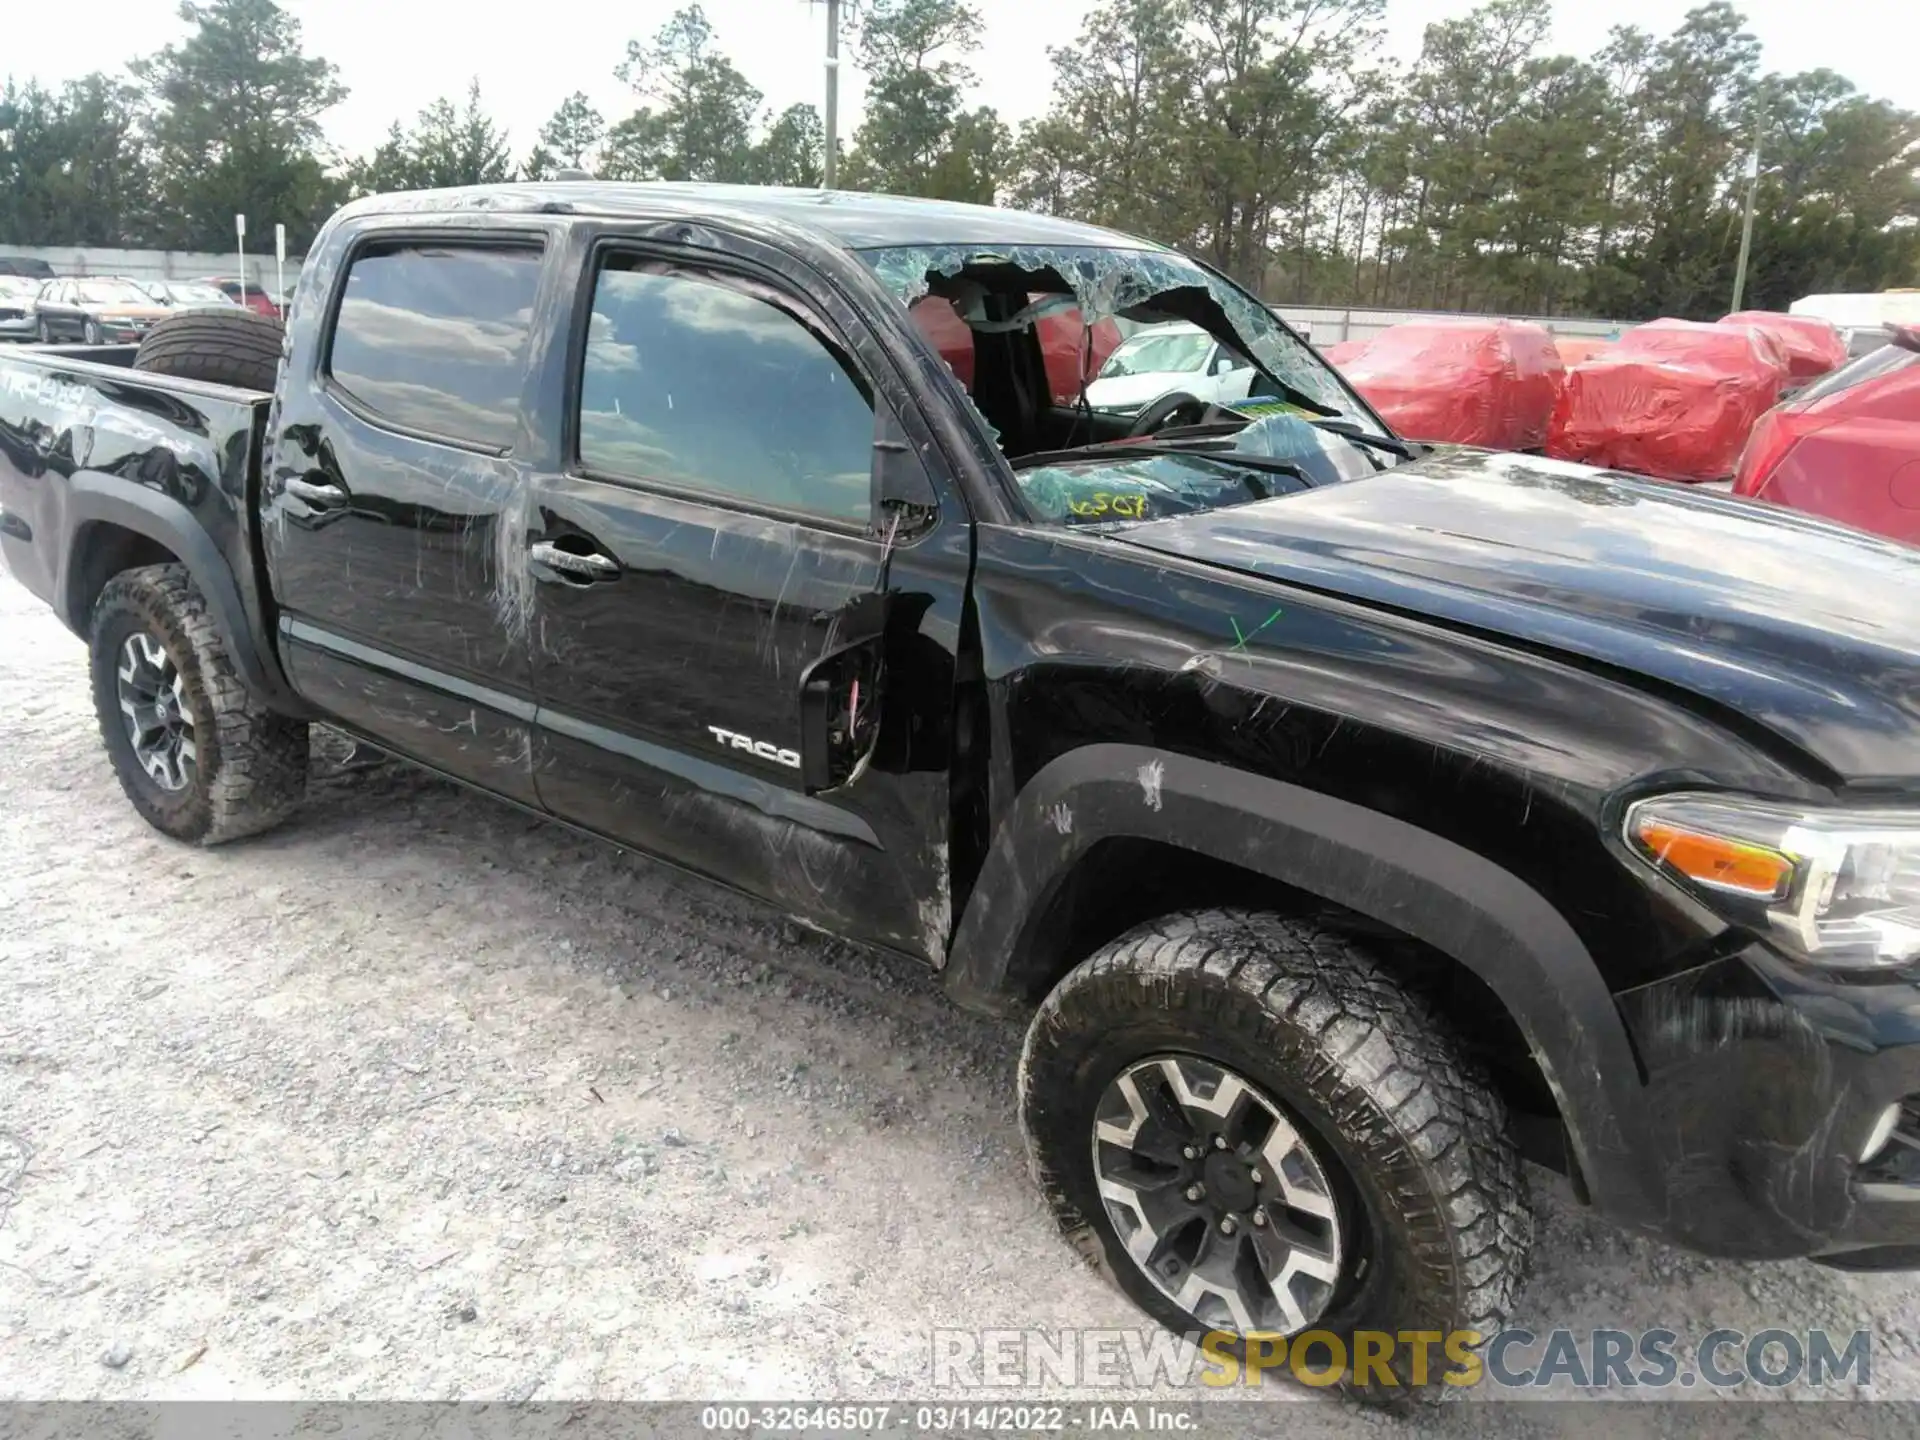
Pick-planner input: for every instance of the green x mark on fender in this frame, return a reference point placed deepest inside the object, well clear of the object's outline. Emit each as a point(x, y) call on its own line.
point(1240, 640)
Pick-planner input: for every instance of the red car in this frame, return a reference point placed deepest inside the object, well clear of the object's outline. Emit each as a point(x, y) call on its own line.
point(255, 299)
point(1848, 446)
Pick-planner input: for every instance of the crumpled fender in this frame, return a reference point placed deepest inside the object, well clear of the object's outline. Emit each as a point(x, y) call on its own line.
point(1421, 884)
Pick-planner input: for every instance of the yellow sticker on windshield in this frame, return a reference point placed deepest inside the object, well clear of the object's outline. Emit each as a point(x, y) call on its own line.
point(1127, 507)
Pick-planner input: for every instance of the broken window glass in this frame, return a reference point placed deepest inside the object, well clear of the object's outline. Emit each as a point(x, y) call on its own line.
point(1110, 283)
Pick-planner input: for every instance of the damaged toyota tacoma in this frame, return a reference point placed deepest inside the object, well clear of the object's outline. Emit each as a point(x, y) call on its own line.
point(1355, 820)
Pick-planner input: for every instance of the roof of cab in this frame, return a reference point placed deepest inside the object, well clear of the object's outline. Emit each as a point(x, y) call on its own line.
point(851, 219)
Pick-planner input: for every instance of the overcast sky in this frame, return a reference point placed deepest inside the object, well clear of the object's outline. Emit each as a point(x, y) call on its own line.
point(398, 55)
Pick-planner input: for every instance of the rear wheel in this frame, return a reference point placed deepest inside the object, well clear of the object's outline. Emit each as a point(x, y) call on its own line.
point(1252, 1128)
point(226, 347)
point(198, 756)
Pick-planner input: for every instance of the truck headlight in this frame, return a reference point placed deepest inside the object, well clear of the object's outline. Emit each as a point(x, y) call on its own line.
point(1839, 888)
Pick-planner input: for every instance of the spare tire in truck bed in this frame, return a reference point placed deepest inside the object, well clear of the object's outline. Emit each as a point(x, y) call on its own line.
point(227, 347)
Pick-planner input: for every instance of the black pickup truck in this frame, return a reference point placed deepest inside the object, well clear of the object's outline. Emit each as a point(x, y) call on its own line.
point(1356, 819)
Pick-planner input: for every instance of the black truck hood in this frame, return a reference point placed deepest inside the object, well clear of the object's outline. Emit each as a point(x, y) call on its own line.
point(1809, 629)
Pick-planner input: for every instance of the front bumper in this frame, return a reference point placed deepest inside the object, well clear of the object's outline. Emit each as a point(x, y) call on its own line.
point(1764, 1081)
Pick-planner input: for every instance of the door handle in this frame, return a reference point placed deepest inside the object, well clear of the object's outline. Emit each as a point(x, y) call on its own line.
point(315, 495)
point(581, 567)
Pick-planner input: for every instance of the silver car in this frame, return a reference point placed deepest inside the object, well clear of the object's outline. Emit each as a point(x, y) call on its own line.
point(188, 294)
point(96, 310)
point(16, 306)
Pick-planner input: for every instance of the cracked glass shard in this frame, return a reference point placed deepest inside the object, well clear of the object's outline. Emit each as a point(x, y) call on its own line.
point(1110, 282)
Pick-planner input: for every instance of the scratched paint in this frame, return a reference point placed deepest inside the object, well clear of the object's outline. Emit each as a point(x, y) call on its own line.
point(1241, 639)
point(1151, 775)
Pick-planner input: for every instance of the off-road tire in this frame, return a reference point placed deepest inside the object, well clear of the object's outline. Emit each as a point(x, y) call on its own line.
point(251, 768)
point(226, 347)
point(1432, 1183)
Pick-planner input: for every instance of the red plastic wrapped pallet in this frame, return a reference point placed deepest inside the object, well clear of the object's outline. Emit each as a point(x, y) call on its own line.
point(1575, 348)
point(1342, 353)
point(1672, 398)
point(1463, 382)
point(1812, 346)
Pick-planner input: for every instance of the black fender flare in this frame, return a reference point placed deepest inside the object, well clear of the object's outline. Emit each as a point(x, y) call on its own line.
point(1422, 884)
point(110, 500)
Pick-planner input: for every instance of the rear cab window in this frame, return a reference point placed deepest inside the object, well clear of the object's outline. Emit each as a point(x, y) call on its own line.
point(431, 339)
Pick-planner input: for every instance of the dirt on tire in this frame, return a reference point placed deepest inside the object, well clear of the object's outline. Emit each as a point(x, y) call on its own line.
point(1308, 1015)
point(251, 770)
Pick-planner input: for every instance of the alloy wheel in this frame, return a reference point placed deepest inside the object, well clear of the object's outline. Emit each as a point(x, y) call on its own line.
point(1218, 1197)
point(153, 698)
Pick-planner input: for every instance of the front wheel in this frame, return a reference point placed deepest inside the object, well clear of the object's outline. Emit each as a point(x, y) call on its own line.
point(198, 756)
point(45, 332)
point(92, 333)
point(1252, 1128)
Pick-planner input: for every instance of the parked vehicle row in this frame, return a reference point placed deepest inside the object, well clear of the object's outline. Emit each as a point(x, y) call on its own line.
point(111, 309)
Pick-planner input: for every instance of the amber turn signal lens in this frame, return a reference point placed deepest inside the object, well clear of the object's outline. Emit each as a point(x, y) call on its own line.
point(1713, 860)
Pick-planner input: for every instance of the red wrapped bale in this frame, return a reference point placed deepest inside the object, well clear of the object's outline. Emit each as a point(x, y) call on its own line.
point(1575, 348)
point(1464, 382)
point(1673, 399)
point(1342, 353)
point(1812, 346)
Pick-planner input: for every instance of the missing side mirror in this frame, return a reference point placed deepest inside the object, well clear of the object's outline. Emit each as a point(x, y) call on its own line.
point(840, 698)
point(903, 495)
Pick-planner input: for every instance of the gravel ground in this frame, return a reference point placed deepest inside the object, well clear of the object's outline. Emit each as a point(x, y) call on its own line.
point(419, 1097)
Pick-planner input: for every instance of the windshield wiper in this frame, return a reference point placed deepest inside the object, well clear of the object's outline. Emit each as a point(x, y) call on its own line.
point(1348, 430)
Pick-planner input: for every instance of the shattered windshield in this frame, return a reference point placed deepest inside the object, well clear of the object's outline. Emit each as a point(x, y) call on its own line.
point(1145, 285)
point(1159, 354)
point(1025, 330)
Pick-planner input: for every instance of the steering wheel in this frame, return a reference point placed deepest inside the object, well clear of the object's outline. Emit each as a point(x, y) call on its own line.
point(1177, 407)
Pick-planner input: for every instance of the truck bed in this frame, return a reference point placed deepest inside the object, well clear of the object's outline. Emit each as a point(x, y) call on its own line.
point(87, 441)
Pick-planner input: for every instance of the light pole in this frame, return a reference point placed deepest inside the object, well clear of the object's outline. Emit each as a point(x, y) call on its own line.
point(829, 162)
point(1746, 226)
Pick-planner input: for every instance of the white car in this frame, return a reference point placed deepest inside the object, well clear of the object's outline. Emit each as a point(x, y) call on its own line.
point(16, 306)
point(188, 294)
point(1164, 360)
